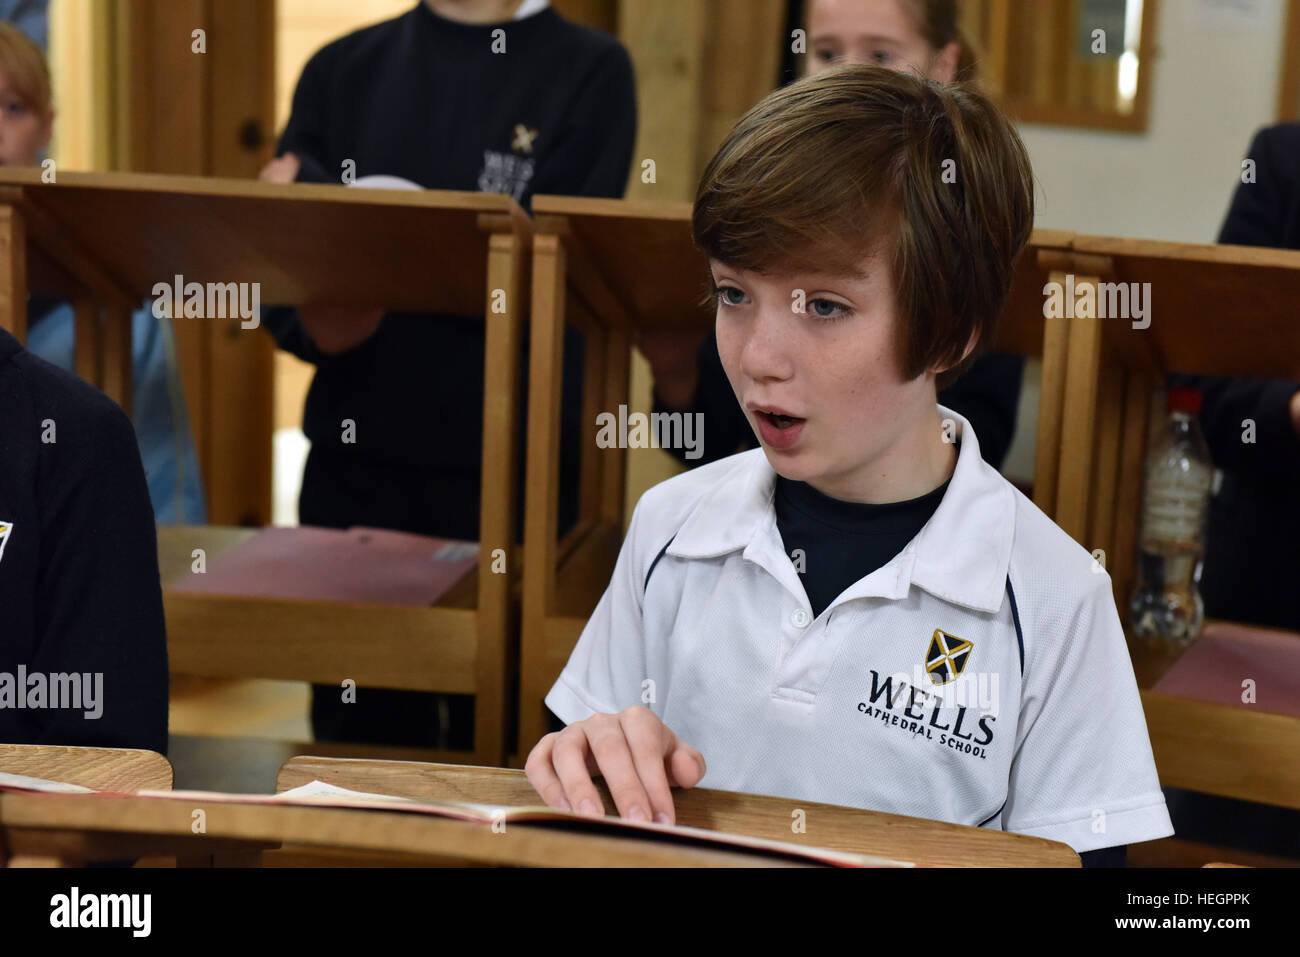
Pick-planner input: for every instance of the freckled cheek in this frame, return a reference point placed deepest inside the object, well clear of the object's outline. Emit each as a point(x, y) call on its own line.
point(858, 385)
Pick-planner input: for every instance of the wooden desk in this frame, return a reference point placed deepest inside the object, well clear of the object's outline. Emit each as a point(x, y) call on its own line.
point(103, 769)
point(73, 829)
point(104, 241)
point(410, 647)
point(928, 843)
point(225, 636)
point(1214, 310)
point(1214, 748)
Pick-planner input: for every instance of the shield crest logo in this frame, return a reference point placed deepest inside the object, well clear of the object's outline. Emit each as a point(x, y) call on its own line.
point(947, 656)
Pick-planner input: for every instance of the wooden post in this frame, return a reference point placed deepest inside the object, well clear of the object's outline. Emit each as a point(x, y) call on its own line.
point(1128, 500)
point(543, 476)
point(595, 461)
point(88, 346)
point(1078, 416)
point(117, 354)
point(618, 360)
point(13, 272)
point(1110, 411)
point(501, 384)
point(1047, 455)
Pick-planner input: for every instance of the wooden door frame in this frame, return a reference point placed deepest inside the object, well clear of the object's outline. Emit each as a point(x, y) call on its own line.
point(1288, 93)
point(185, 112)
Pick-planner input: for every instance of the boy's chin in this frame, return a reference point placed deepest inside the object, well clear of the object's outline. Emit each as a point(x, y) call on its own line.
point(793, 468)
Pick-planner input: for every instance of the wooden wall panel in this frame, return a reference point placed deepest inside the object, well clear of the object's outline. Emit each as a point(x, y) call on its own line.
point(1288, 97)
point(699, 68)
point(210, 113)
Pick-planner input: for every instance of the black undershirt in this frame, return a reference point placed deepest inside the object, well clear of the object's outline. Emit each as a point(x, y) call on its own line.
point(843, 542)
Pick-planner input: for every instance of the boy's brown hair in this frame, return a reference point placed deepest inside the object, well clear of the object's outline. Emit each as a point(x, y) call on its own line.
point(23, 64)
point(861, 160)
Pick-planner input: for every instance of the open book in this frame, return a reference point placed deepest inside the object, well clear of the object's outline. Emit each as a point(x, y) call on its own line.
point(321, 794)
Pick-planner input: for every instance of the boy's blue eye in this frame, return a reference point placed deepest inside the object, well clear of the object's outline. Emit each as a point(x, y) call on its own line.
point(824, 309)
point(881, 56)
point(837, 311)
point(721, 293)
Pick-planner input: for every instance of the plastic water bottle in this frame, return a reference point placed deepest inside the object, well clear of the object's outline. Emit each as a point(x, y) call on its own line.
point(1167, 604)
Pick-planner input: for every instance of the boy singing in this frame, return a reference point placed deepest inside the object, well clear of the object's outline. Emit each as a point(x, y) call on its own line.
point(861, 612)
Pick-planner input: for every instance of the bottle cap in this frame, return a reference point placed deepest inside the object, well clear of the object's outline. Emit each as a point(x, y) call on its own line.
point(1184, 399)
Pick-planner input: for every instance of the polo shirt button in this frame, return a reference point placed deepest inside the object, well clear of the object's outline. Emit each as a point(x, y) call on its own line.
point(799, 618)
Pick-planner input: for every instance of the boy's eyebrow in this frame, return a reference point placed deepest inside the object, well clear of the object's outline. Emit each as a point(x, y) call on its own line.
point(868, 37)
point(853, 275)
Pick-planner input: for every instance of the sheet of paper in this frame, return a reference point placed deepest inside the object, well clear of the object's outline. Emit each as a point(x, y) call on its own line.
point(1225, 656)
point(376, 566)
point(322, 794)
point(40, 784)
point(317, 789)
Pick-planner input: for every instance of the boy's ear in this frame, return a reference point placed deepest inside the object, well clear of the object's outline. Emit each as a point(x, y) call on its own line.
point(944, 69)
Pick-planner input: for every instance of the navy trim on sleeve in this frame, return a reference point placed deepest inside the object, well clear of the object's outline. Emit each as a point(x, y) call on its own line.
point(654, 563)
point(1015, 616)
point(993, 815)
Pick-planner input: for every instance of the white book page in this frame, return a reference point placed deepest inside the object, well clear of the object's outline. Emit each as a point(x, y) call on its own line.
point(40, 784)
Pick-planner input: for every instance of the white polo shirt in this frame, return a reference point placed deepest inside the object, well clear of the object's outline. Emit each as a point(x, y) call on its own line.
point(980, 677)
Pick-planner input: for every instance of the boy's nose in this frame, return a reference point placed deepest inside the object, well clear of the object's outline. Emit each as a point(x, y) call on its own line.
point(765, 354)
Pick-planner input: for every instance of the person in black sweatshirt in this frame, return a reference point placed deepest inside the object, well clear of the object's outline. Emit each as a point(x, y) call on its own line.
point(521, 106)
point(1252, 561)
point(83, 650)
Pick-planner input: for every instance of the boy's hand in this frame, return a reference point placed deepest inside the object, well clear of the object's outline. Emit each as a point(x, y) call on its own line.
point(672, 357)
point(638, 755)
point(337, 329)
point(282, 169)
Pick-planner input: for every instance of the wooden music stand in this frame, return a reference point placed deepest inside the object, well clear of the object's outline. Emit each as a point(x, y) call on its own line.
point(104, 769)
point(1216, 310)
point(105, 240)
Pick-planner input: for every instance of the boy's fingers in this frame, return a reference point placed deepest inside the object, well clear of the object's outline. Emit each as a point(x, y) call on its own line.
point(542, 776)
point(648, 739)
point(610, 745)
point(685, 764)
point(638, 755)
point(569, 759)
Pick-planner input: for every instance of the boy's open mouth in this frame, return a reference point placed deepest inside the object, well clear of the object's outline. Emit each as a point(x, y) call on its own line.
point(777, 418)
point(782, 422)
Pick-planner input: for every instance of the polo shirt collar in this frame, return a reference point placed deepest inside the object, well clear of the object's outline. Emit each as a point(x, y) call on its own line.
point(961, 555)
